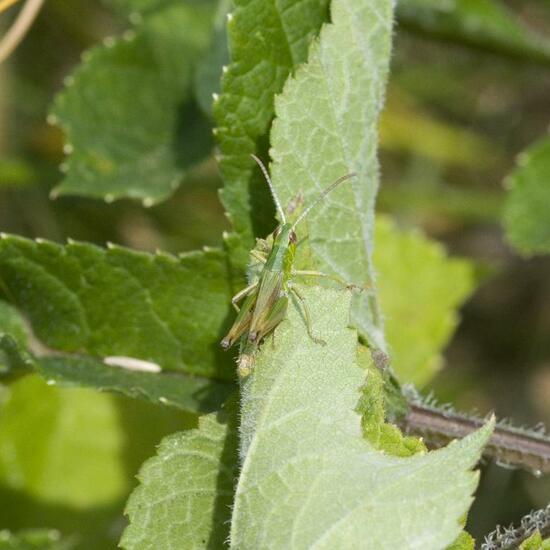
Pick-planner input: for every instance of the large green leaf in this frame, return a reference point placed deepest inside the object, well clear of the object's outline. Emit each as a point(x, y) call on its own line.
point(79, 298)
point(309, 479)
point(527, 211)
point(132, 128)
point(484, 24)
point(187, 392)
point(267, 41)
point(326, 126)
point(419, 298)
point(186, 490)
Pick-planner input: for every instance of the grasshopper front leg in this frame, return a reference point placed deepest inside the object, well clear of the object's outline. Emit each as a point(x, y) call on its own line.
point(339, 280)
point(307, 316)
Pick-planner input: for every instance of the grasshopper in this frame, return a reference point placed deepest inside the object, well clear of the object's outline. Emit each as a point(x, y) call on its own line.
point(266, 300)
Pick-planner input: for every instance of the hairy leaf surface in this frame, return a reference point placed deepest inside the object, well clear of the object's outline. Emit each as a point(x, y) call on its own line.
point(485, 24)
point(186, 490)
point(79, 298)
point(528, 206)
point(132, 129)
point(309, 479)
point(419, 299)
point(267, 41)
point(326, 127)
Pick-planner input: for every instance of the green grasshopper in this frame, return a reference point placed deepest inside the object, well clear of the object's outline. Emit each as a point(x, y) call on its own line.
point(266, 300)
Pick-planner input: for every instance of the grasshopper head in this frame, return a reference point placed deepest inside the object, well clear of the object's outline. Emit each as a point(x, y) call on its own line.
point(284, 235)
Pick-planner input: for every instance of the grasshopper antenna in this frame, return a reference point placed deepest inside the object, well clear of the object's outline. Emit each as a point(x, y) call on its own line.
point(270, 183)
point(323, 194)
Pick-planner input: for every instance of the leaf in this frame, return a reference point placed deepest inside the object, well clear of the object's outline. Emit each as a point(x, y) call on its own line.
point(80, 298)
point(127, 111)
point(535, 542)
point(419, 299)
point(267, 41)
point(309, 479)
point(326, 126)
point(14, 361)
point(527, 209)
point(209, 72)
point(62, 447)
point(464, 542)
point(34, 539)
point(190, 393)
point(12, 323)
point(186, 490)
point(373, 408)
point(483, 24)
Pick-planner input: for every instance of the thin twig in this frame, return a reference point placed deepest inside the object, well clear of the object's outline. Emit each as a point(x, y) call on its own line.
point(20, 27)
point(510, 446)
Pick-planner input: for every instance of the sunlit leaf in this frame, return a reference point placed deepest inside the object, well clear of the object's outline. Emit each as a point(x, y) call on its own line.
point(61, 446)
point(528, 206)
point(309, 479)
point(326, 127)
point(186, 490)
point(419, 299)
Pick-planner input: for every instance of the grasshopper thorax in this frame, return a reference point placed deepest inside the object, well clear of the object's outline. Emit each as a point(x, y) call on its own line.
point(283, 250)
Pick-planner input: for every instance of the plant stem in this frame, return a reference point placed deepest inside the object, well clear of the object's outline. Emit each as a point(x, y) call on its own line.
point(510, 446)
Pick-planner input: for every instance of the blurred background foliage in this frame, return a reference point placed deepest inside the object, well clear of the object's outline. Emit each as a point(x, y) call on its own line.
point(461, 106)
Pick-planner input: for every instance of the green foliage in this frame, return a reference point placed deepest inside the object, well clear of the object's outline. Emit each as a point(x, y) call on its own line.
point(463, 542)
point(484, 24)
point(34, 539)
point(80, 298)
point(68, 458)
point(320, 463)
point(535, 542)
point(260, 64)
point(308, 477)
point(12, 334)
point(528, 205)
point(186, 490)
point(373, 410)
point(61, 447)
point(186, 392)
point(326, 127)
point(421, 316)
point(12, 323)
point(208, 73)
point(131, 124)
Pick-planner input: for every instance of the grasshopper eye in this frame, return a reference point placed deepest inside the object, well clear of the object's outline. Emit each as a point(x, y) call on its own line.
point(292, 237)
point(277, 232)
